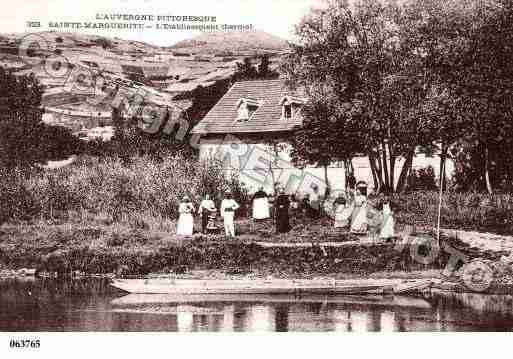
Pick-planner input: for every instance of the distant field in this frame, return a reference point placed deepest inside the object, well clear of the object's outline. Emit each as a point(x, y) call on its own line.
point(120, 62)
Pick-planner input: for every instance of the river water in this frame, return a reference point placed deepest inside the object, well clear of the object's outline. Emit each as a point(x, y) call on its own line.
point(92, 305)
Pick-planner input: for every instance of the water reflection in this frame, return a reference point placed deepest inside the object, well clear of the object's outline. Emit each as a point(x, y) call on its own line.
point(92, 305)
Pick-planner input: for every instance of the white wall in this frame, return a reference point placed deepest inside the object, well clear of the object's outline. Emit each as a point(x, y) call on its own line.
point(251, 161)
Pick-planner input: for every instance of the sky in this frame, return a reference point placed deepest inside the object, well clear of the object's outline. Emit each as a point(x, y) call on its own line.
point(276, 17)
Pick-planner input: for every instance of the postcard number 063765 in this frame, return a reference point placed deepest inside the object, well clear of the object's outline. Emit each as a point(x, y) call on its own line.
point(25, 343)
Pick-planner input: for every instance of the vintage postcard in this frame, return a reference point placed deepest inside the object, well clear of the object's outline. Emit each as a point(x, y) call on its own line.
point(255, 166)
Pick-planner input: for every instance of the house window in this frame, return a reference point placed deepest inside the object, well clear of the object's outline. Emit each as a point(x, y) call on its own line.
point(287, 111)
point(290, 107)
point(243, 114)
point(246, 109)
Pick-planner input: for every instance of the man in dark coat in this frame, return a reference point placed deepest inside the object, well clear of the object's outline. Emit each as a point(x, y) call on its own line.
point(282, 212)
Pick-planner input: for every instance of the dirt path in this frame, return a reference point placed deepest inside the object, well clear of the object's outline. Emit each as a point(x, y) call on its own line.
point(363, 241)
point(481, 240)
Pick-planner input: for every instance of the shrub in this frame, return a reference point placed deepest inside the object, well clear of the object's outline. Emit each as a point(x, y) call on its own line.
point(469, 210)
point(422, 180)
point(103, 42)
point(143, 188)
point(16, 199)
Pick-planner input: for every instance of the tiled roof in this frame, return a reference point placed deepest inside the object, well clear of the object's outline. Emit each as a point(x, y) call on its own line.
point(222, 118)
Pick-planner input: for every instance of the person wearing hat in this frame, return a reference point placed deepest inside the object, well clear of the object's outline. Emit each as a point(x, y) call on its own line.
point(359, 223)
point(282, 212)
point(362, 187)
point(228, 208)
point(306, 211)
point(206, 209)
point(185, 225)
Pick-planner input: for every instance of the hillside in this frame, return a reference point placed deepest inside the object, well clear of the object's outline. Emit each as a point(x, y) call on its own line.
point(234, 43)
point(89, 71)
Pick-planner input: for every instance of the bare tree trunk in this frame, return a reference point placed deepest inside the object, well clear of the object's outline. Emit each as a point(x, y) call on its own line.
point(374, 174)
point(379, 170)
point(487, 171)
point(443, 158)
point(385, 168)
point(326, 181)
point(439, 217)
point(346, 175)
point(405, 171)
point(351, 168)
point(347, 164)
point(392, 168)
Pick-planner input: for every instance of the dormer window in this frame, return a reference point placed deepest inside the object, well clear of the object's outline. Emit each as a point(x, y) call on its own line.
point(290, 106)
point(246, 107)
point(243, 113)
point(287, 111)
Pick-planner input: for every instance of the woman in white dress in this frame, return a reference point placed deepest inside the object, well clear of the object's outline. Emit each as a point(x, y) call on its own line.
point(359, 215)
point(387, 228)
point(342, 212)
point(261, 205)
point(185, 223)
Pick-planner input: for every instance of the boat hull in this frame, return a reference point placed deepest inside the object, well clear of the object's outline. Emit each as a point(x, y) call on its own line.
point(292, 287)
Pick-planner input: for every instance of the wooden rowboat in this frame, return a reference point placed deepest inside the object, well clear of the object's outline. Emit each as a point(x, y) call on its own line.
point(412, 287)
point(274, 286)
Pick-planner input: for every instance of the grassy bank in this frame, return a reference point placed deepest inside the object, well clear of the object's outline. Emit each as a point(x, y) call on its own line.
point(108, 216)
point(464, 211)
point(115, 249)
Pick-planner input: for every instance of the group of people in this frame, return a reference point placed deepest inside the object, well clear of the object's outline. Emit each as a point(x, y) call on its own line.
point(208, 212)
point(354, 214)
point(349, 212)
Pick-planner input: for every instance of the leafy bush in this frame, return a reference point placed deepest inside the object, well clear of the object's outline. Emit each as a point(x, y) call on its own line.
point(24, 139)
point(17, 201)
point(469, 210)
point(103, 42)
point(422, 179)
point(126, 191)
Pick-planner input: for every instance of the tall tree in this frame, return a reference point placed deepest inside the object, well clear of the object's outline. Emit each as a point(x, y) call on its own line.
point(247, 71)
point(352, 55)
point(20, 119)
point(24, 139)
point(465, 49)
point(323, 138)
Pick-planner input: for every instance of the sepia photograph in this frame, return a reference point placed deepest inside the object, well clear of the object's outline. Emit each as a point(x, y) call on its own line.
point(255, 166)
